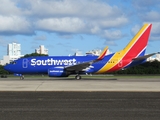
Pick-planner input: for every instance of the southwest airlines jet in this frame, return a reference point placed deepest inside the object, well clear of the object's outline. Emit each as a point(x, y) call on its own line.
point(63, 66)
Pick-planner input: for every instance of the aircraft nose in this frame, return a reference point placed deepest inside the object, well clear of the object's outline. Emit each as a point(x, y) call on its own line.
point(7, 67)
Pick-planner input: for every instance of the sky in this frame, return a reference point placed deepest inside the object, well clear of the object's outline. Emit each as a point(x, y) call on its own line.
point(68, 26)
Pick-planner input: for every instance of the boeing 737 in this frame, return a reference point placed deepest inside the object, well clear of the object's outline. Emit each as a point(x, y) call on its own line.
point(63, 66)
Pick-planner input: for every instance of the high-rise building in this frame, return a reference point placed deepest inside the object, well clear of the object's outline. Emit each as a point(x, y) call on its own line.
point(14, 49)
point(13, 53)
point(41, 50)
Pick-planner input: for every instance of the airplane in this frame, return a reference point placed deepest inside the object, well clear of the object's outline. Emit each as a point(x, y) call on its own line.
point(63, 66)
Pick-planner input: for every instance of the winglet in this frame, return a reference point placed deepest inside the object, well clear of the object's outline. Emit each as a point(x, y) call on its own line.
point(103, 53)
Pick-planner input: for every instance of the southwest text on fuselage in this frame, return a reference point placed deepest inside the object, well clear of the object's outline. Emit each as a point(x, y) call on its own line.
point(51, 61)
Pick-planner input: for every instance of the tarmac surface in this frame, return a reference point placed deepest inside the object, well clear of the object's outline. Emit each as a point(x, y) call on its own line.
point(79, 105)
point(86, 84)
point(86, 99)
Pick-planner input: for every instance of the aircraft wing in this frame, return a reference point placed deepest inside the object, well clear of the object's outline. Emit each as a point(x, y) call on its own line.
point(81, 66)
point(144, 57)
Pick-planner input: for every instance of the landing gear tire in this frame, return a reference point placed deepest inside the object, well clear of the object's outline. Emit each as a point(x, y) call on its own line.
point(22, 77)
point(77, 77)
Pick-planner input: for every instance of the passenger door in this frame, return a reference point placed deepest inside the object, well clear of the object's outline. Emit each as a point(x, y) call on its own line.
point(25, 63)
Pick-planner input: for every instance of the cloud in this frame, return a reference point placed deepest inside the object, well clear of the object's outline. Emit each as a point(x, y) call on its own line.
point(65, 36)
point(66, 25)
point(63, 8)
point(148, 12)
point(9, 8)
point(14, 25)
point(135, 29)
point(59, 16)
point(143, 5)
point(151, 16)
point(69, 17)
point(111, 43)
point(155, 31)
point(42, 38)
point(112, 34)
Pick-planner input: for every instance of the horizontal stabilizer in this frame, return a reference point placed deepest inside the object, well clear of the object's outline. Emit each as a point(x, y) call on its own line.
point(144, 57)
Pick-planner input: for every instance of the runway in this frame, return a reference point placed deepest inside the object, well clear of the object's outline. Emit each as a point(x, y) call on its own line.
point(86, 99)
point(86, 84)
point(79, 105)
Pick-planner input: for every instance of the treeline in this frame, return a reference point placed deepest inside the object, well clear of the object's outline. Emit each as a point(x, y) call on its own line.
point(33, 55)
point(2, 71)
point(145, 68)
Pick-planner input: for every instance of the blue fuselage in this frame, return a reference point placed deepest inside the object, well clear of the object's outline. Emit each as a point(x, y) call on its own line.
point(32, 65)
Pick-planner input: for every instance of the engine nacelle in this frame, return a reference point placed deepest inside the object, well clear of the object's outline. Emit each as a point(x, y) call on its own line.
point(91, 70)
point(57, 72)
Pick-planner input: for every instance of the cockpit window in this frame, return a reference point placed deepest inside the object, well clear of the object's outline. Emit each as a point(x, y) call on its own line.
point(13, 62)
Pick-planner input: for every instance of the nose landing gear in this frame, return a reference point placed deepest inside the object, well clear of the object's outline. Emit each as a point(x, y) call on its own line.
point(22, 77)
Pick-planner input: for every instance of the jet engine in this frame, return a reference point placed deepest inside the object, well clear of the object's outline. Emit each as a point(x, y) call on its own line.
point(57, 72)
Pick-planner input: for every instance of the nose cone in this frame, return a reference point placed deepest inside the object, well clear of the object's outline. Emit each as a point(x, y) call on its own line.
point(8, 68)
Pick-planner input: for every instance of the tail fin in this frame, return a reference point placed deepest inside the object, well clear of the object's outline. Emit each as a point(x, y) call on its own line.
point(132, 51)
point(138, 44)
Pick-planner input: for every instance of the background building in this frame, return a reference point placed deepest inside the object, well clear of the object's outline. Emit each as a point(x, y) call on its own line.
point(41, 50)
point(153, 58)
point(14, 49)
point(13, 53)
point(97, 52)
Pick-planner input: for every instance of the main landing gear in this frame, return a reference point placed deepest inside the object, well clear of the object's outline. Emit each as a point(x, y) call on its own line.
point(77, 77)
point(22, 77)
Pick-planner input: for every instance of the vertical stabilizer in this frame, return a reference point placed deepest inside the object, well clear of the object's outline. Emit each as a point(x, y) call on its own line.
point(137, 45)
point(135, 48)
